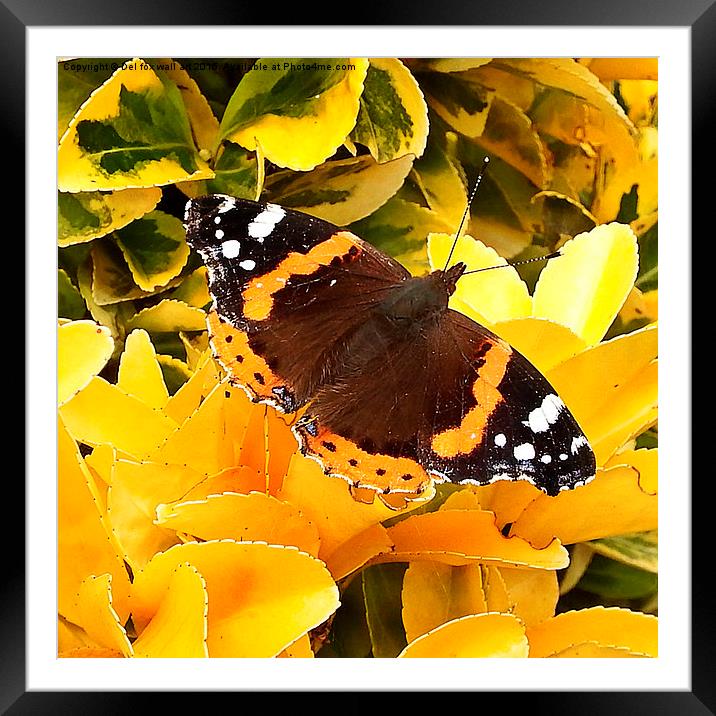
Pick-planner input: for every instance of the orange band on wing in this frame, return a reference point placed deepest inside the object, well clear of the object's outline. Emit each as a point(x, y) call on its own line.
point(258, 294)
point(467, 436)
point(384, 473)
point(231, 347)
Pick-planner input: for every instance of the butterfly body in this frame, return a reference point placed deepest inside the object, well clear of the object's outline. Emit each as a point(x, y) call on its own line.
point(395, 388)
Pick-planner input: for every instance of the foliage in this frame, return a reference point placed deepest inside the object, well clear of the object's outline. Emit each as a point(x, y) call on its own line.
point(175, 491)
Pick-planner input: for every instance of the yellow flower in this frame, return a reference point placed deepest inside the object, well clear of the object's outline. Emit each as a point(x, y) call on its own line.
point(237, 545)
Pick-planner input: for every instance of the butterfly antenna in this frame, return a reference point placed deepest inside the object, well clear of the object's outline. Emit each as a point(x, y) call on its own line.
point(485, 162)
point(553, 255)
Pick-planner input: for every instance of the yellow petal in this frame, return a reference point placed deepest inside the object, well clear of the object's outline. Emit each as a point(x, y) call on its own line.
point(248, 518)
point(611, 389)
point(357, 550)
point(188, 398)
point(97, 616)
point(139, 372)
point(435, 593)
point(90, 652)
point(492, 296)
point(507, 500)
point(533, 593)
point(586, 286)
point(476, 636)
point(84, 545)
point(544, 343)
point(102, 413)
point(261, 597)
point(179, 626)
point(70, 636)
point(83, 349)
point(239, 479)
point(609, 627)
point(328, 503)
point(137, 488)
point(211, 438)
point(615, 502)
point(589, 650)
point(462, 536)
point(300, 649)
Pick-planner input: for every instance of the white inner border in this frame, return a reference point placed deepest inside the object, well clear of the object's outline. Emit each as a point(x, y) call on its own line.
point(668, 672)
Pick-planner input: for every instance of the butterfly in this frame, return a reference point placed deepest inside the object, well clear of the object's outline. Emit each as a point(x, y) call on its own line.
point(393, 388)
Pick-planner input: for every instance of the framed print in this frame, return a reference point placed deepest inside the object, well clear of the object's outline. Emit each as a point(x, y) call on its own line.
point(357, 357)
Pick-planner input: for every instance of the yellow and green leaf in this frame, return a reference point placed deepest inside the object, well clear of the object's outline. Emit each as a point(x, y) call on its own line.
point(133, 132)
point(393, 117)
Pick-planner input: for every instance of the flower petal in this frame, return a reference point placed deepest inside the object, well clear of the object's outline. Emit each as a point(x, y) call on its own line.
point(188, 398)
point(97, 616)
point(435, 593)
point(103, 413)
point(179, 626)
point(84, 544)
point(357, 550)
point(492, 296)
point(608, 627)
point(248, 518)
point(139, 372)
point(596, 271)
point(611, 389)
point(328, 503)
point(300, 649)
point(460, 537)
point(211, 438)
point(476, 636)
point(619, 500)
point(261, 597)
point(137, 488)
point(83, 349)
point(544, 343)
point(533, 593)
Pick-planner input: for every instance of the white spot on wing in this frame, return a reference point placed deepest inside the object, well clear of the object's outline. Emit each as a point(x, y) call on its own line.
point(500, 440)
point(248, 264)
point(231, 248)
point(577, 443)
point(227, 203)
point(264, 223)
point(546, 459)
point(551, 407)
point(538, 421)
point(526, 451)
point(219, 234)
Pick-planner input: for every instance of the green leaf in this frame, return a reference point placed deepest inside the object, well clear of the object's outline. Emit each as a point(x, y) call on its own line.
point(278, 90)
point(648, 278)
point(76, 80)
point(400, 229)
point(70, 303)
point(174, 371)
point(442, 183)
point(168, 316)
point(349, 636)
point(316, 100)
point(393, 117)
point(112, 280)
point(84, 216)
point(155, 249)
point(459, 101)
point(614, 580)
point(640, 549)
point(133, 132)
point(342, 191)
point(382, 591)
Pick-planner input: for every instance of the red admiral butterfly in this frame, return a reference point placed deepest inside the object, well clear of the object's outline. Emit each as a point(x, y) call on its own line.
point(396, 386)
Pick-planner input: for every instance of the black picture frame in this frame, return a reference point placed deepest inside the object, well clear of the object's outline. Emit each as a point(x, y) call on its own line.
point(699, 15)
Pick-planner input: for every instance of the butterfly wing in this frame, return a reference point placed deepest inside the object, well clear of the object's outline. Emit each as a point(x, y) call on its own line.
point(455, 401)
point(288, 292)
